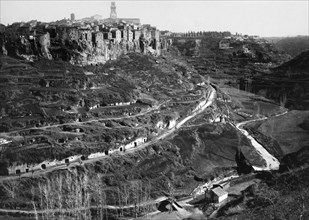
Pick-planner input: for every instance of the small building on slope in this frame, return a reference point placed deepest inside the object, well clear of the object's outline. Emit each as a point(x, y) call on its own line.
point(216, 195)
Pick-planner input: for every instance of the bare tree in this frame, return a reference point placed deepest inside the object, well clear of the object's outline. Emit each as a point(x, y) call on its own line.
point(59, 183)
point(10, 187)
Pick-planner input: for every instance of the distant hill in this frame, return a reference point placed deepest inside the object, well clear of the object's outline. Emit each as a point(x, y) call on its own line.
point(298, 65)
point(293, 45)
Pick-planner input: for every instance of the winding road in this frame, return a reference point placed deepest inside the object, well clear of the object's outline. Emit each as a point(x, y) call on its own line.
point(272, 163)
point(202, 106)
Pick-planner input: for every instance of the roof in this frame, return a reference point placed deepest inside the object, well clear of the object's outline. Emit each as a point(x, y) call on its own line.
point(219, 191)
point(224, 41)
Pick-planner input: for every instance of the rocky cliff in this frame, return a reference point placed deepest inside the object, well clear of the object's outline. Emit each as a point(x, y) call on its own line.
point(78, 44)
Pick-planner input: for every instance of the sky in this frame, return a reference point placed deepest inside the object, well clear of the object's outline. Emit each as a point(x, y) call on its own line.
point(264, 18)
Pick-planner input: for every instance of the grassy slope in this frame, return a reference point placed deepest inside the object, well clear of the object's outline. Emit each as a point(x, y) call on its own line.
point(284, 132)
point(277, 197)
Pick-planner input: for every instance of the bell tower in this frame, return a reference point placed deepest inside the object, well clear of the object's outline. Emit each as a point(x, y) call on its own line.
point(113, 11)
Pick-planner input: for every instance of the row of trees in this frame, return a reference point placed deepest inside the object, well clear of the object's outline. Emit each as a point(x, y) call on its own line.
point(205, 33)
point(78, 194)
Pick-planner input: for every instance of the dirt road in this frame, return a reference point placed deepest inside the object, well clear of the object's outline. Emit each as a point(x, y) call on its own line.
point(209, 100)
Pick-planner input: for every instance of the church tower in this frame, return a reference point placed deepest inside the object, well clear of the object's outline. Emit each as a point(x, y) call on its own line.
point(113, 11)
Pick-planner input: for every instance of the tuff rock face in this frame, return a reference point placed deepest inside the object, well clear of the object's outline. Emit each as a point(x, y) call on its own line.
point(79, 44)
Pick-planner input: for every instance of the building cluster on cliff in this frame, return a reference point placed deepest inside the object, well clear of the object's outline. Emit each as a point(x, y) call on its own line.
point(87, 41)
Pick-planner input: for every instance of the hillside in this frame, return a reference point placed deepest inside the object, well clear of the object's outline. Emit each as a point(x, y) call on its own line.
point(293, 45)
point(55, 110)
point(276, 132)
point(57, 116)
point(287, 83)
point(296, 66)
point(110, 141)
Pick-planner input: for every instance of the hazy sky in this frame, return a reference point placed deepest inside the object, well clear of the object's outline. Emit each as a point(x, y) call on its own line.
point(263, 18)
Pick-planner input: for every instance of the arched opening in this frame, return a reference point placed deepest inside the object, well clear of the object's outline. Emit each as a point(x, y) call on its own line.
point(83, 157)
point(106, 152)
point(27, 170)
point(67, 161)
point(17, 171)
point(120, 148)
point(43, 166)
point(135, 144)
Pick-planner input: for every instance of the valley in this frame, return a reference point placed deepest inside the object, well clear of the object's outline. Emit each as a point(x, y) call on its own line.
point(151, 135)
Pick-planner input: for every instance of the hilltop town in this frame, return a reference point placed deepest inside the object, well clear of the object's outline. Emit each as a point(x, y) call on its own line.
point(87, 41)
point(108, 118)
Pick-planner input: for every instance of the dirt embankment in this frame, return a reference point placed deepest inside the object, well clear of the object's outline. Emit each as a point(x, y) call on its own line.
point(284, 134)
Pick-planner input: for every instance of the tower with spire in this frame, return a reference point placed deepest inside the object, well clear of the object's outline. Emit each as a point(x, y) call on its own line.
point(113, 11)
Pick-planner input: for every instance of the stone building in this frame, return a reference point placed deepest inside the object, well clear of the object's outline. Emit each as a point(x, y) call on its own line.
point(68, 33)
point(155, 34)
point(136, 34)
point(124, 34)
point(116, 35)
point(85, 34)
point(113, 14)
point(72, 17)
point(97, 39)
point(216, 195)
point(114, 19)
point(107, 35)
point(129, 35)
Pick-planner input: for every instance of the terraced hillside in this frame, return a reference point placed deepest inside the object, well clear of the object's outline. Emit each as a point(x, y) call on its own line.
point(120, 130)
point(112, 140)
point(54, 110)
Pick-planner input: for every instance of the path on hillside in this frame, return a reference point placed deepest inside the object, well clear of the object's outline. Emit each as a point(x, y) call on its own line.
point(210, 98)
point(89, 121)
point(272, 163)
point(63, 211)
